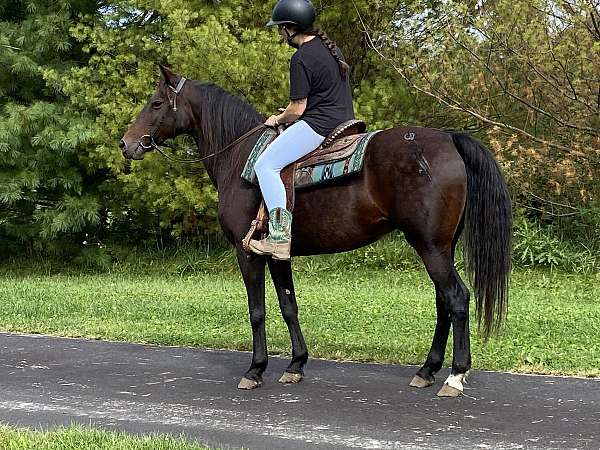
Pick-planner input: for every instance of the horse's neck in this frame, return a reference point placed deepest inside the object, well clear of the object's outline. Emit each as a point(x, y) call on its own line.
point(223, 167)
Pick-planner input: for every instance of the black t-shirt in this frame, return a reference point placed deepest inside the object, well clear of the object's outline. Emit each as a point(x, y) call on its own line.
point(315, 75)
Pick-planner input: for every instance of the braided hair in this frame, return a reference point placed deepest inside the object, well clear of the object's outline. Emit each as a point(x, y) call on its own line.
point(344, 67)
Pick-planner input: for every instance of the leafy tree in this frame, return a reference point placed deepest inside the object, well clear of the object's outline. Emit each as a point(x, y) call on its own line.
point(76, 73)
point(199, 39)
point(525, 73)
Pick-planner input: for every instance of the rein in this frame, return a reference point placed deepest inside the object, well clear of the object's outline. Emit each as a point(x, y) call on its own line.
point(193, 161)
point(173, 104)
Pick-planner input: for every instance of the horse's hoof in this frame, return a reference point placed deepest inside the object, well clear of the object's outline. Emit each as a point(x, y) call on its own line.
point(419, 382)
point(291, 378)
point(453, 386)
point(248, 385)
point(449, 391)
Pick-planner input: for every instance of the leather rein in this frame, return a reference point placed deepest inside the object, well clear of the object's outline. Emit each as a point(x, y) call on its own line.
point(173, 104)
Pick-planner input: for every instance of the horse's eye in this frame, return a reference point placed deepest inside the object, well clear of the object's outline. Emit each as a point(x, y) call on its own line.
point(157, 104)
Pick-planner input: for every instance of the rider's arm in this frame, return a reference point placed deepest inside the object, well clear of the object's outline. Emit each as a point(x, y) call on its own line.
point(293, 112)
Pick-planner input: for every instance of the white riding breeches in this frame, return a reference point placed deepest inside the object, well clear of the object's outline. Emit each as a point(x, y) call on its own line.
point(294, 143)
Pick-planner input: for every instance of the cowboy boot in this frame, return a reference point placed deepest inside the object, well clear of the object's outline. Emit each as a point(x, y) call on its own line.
point(278, 242)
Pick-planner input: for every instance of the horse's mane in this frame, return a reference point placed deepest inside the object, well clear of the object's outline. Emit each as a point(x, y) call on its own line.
point(223, 116)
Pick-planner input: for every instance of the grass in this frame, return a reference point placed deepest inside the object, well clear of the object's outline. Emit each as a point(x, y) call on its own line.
point(78, 438)
point(364, 306)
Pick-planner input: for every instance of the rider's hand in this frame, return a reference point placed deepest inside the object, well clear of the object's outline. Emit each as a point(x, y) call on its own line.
point(272, 121)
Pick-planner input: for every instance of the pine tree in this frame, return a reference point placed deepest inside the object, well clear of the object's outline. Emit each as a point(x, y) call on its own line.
point(75, 74)
point(46, 190)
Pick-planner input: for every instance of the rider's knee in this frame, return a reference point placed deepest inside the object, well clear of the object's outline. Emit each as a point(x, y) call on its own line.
point(263, 166)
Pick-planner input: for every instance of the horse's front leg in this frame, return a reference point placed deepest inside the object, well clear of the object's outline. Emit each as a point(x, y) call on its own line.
point(253, 273)
point(281, 273)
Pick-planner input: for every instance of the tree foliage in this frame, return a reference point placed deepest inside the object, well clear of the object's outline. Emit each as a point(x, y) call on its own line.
point(75, 73)
point(222, 42)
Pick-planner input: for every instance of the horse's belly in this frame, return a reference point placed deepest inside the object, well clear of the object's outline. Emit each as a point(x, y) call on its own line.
point(305, 244)
point(332, 220)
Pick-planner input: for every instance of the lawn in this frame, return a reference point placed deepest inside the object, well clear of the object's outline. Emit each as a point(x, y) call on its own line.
point(78, 438)
point(355, 312)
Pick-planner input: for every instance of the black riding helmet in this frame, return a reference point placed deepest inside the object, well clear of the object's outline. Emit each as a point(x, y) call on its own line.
point(297, 12)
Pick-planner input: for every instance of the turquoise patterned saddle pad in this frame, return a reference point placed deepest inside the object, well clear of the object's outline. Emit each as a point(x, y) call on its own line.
point(323, 169)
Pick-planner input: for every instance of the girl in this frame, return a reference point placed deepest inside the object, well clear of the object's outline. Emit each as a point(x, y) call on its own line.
point(320, 100)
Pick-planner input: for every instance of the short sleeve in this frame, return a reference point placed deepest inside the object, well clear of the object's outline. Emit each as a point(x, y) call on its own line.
point(299, 80)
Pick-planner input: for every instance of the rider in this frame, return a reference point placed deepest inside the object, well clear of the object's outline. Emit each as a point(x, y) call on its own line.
point(320, 100)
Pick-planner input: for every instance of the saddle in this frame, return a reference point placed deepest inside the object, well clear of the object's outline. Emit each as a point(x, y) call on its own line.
point(337, 145)
point(340, 144)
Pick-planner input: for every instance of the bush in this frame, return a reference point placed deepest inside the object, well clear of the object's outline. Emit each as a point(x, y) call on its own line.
point(542, 245)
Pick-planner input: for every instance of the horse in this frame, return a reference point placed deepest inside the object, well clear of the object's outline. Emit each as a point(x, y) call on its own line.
point(431, 184)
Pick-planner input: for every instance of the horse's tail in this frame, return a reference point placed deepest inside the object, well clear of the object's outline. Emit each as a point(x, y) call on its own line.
point(488, 232)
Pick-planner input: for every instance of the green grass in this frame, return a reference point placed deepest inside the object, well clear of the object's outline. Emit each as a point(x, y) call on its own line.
point(370, 310)
point(80, 438)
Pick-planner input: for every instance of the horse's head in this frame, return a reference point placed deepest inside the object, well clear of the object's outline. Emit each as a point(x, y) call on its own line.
point(166, 115)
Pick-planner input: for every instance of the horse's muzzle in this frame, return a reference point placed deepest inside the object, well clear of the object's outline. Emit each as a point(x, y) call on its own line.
point(131, 152)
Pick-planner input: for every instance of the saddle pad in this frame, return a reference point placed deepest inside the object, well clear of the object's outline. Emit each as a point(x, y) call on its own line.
point(262, 143)
point(323, 169)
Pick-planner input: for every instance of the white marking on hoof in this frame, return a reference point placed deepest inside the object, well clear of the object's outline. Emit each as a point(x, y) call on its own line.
point(291, 378)
point(419, 382)
point(453, 386)
point(247, 384)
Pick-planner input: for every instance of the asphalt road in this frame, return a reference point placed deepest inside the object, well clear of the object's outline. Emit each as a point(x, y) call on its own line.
point(47, 382)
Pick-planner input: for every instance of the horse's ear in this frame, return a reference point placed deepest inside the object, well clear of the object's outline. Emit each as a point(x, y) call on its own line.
point(168, 75)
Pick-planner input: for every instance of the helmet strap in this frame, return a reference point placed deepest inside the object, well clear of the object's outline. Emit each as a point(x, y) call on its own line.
point(290, 38)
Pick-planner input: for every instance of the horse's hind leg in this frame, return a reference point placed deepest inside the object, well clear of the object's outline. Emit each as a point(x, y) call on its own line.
point(425, 377)
point(281, 273)
point(452, 302)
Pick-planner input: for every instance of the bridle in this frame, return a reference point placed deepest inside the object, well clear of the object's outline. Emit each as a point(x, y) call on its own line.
point(173, 105)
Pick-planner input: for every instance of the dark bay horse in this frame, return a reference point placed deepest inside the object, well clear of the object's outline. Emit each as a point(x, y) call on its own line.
point(428, 183)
